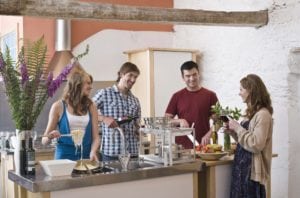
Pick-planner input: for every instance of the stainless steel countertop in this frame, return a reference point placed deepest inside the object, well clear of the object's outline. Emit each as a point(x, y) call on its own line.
point(43, 183)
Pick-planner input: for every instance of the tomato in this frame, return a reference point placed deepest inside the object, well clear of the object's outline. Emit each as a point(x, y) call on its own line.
point(198, 148)
point(205, 149)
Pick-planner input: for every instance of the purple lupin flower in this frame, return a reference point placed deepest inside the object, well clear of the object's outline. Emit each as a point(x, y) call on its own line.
point(23, 68)
point(48, 84)
point(49, 79)
point(53, 85)
point(2, 63)
point(24, 73)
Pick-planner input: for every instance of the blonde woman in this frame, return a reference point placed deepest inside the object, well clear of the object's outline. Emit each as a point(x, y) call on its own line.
point(75, 111)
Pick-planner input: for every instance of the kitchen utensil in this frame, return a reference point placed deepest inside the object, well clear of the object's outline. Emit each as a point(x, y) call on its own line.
point(86, 165)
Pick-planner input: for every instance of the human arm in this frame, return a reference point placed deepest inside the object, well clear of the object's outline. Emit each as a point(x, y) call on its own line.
point(254, 139)
point(180, 122)
point(206, 138)
point(99, 100)
point(95, 133)
point(109, 121)
point(137, 121)
point(54, 115)
point(172, 111)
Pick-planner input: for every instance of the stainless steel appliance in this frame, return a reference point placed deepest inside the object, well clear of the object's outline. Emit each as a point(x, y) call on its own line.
point(163, 148)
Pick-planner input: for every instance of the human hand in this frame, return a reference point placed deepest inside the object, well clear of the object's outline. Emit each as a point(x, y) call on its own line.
point(54, 134)
point(184, 123)
point(233, 125)
point(110, 122)
point(206, 138)
point(94, 156)
point(181, 122)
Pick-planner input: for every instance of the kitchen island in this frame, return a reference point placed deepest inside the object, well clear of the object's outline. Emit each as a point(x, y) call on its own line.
point(215, 178)
point(151, 181)
point(8, 188)
point(202, 179)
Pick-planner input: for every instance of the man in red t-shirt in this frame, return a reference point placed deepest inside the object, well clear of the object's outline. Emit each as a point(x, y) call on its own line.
point(192, 105)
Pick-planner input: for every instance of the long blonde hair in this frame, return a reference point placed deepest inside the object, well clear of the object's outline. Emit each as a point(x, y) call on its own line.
point(259, 96)
point(73, 95)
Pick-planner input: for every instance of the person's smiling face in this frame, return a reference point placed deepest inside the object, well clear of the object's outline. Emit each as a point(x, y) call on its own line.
point(87, 85)
point(192, 79)
point(244, 93)
point(128, 80)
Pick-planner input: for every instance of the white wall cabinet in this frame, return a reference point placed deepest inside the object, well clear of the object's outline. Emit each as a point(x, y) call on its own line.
point(160, 76)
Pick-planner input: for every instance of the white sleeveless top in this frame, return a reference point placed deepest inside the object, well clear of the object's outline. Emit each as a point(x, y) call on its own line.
point(77, 122)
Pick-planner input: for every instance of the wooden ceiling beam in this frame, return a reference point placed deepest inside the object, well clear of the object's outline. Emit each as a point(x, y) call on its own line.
point(73, 9)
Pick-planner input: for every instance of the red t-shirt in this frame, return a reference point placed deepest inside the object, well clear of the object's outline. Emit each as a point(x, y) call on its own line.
point(193, 107)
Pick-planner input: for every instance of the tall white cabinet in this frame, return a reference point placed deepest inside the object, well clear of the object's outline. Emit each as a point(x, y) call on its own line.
point(160, 76)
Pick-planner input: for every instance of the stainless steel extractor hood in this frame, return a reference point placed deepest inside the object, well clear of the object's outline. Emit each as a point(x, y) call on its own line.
point(63, 54)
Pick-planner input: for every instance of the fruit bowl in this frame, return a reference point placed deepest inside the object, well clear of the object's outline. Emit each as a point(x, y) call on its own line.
point(212, 156)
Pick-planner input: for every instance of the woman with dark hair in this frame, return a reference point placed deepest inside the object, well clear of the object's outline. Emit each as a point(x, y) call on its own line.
point(252, 162)
point(76, 112)
point(118, 102)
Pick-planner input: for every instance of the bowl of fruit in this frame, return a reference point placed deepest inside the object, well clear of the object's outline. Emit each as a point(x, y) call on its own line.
point(210, 152)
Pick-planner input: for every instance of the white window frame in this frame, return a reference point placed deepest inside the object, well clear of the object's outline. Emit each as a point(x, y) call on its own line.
point(10, 39)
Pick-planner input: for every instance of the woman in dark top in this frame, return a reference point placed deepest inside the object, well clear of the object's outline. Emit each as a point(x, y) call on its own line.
point(241, 185)
point(252, 161)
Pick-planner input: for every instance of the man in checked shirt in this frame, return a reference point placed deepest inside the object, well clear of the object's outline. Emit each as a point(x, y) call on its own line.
point(118, 102)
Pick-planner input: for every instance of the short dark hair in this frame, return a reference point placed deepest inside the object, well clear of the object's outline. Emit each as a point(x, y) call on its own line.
point(188, 65)
point(126, 68)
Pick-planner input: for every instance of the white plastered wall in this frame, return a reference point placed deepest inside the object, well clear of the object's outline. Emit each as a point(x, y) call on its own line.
point(229, 53)
point(106, 50)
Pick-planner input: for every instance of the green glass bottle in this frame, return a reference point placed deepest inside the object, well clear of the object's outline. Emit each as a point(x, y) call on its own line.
point(227, 142)
point(30, 159)
point(214, 135)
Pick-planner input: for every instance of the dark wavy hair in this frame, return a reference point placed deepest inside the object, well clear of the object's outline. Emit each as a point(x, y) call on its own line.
point(73, 93)
point(126, 68)
point(259, 96)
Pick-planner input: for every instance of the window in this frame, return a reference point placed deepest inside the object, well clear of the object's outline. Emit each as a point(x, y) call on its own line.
point(10, 40)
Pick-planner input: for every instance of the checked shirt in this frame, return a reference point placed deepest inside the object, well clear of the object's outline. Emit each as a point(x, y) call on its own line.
point(114, 104)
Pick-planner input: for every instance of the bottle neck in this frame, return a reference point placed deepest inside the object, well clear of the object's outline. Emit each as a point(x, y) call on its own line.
point(30, 144)
point(23, 144)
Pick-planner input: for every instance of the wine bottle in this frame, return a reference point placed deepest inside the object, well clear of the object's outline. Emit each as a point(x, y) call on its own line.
point(125, 119)
point(214, 135)
point(23, 157)
point(30, 159)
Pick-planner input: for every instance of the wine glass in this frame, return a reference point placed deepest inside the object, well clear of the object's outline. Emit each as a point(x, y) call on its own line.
point(7, 139)
point(77, 137)
point(124, 160)
point(2, 138)
point(34, 136)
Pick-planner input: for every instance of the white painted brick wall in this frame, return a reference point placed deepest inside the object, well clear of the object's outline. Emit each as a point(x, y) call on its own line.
point(229, 53)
